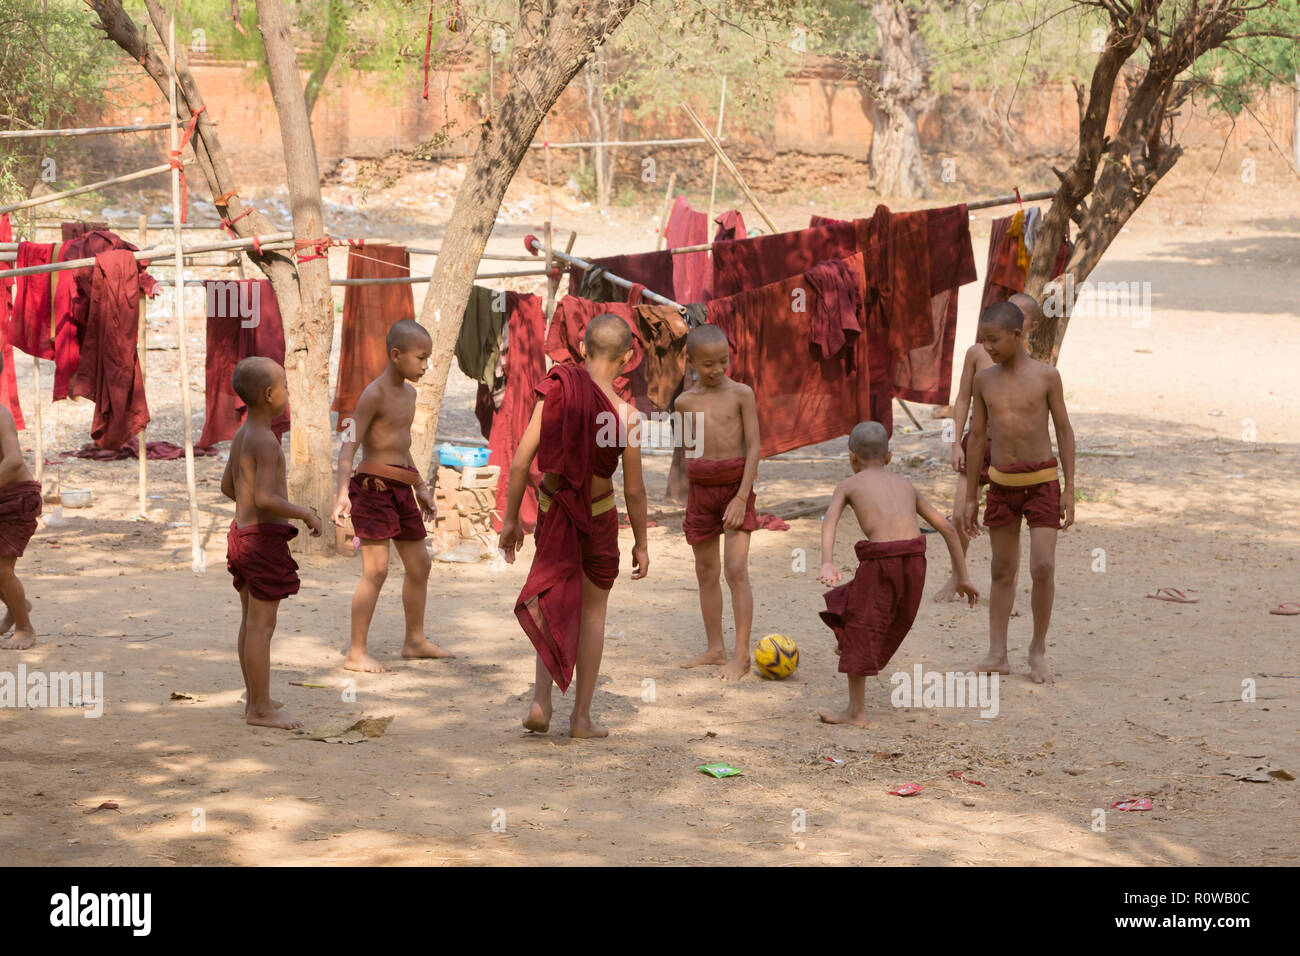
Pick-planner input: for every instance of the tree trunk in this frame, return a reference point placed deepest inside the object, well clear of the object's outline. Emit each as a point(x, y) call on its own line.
point(896, 160)
point(310, 404)
point(555, 39)
point(1295, 126)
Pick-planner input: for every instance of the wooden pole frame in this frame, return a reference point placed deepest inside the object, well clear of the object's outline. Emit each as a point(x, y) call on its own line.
point(142, 346)
point(663, 216)
point(92, 187)
point(84, 131)
point(731, 167)
point(713, 185)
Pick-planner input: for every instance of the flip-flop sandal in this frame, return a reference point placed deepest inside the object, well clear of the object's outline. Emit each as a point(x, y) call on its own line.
point(1174, 595)
point(1288, 608)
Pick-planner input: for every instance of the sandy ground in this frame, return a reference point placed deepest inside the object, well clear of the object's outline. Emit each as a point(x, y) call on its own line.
point(1147, 701)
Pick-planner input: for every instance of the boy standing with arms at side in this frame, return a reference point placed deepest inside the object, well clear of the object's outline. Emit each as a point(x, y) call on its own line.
point(1012, 400)
point(871, 614)
point(257, 545)
point(387, 498)
point(576, 433)
point(720, 499)
point(20, 506)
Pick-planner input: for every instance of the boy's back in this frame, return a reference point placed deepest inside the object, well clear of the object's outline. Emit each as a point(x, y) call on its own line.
point(884, 504)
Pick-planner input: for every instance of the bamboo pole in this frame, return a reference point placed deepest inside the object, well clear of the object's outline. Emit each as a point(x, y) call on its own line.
point(196, 549)
point(577, 263)
point(663, 216)
point(552, 280)
point(1008, 200)
point(731, 167)
point(271, 241)
point(713, 187)
point(92, 187)
point(142, 344)
point(639, 142)
point(83, 131)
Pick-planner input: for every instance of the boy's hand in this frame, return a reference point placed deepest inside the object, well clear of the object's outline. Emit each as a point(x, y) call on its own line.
point(428, 508)
point(966, 589)
point(1067, 508)
point(970, 520)
point(830, 575)
point(734, 514)
point(640, 561)
point(342, 509)
point(958, 458)
point(511, 540)
point(313, 522)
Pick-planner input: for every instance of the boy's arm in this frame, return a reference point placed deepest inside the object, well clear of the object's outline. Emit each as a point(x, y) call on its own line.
point(733, 515)
point(945, 528)
point(512, 536)
point(12, 465)
point(362, 415)
point(634, 496)
point(228, 479)
point(830, 574)
point(266, 496)
point(978, 436)
point(961, 409)
point(1064, 445)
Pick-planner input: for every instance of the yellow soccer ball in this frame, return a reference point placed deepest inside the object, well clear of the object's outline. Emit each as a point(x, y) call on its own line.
point(776, 656)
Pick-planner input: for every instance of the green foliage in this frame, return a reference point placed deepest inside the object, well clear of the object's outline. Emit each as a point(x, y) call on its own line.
point(1249, 63)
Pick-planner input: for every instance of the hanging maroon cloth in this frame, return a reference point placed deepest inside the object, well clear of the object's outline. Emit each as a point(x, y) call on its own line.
point(369, 311)
point(802, 398)
point(29, 319)
point(75, 230)
point(663, 330)
point(731, 225)
point(834, 306)
point(8, 377)
point(569, 324)
point(229, 342)
point(740, 264)
point(109, 373)
point(525, 369)
point(686, 227)
point(653, 270)
point(1005, 274)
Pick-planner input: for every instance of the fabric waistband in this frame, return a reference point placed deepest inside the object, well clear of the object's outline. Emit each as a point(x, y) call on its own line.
point(404, 474)
point(1023, 479)
point(598, 505)
point(720, 471)
point(272, 529)
point(868, 550)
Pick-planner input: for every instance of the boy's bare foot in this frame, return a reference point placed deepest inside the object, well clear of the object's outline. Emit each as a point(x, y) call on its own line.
point(21, 640)
point(424, 648)
point(586, 728)
point(277, 704)
point(272, 718)
point(1038, 670)
point(708, 657)
point(947, 592)
point(734, 669)
point(538, 719)
point(7, 621)
point(364, 663)
point(988, 665)
point(843, 717)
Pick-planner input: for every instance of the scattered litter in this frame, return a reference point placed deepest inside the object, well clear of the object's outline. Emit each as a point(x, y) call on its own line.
point(835, 760)
point(719, 770)
point(177, 695)
point(106, 805)
point(345, 730)
point(1216, 413)
point(1137, 804)
point(469, 552)
point(961, 775)
point(1263, 773)
point(907, 790)
point(300, 683)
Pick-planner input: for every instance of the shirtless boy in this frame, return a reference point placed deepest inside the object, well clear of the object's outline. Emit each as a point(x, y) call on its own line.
point(257, 545)
point(871, 614)
point(20, 506)
point(387, 498)
point(720, 499)
point(1012, 400)
point(977, 360)
point(579, 430)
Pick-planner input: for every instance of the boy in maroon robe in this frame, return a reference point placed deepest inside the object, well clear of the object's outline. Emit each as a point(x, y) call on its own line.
point(257, 545)
point(720, 496)
point(20, 506)
point(871, 614)
point(578, 432)
point(1012, 399)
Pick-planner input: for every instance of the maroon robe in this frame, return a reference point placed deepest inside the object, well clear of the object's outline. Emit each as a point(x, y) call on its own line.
point(871, 614)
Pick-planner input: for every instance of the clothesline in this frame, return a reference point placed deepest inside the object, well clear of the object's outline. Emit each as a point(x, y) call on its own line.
point(274, 240)
point(533, 243)
point(84, 131)
point(93, 187)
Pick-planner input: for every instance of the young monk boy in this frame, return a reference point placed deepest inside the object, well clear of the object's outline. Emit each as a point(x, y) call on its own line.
point(977, 360)
point(20, 506)
point(720, 497)
point(257, 545)
point(871, 614)
point(387, 499)
point(576, 431)
point(1012, 400)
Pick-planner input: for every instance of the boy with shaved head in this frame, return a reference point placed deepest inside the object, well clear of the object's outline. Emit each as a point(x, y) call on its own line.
point(257, 545)
point(1012, 399)
point(20, 506)
point(387, 498)
point(871, 614)
point(578, 432)
point(720, 470)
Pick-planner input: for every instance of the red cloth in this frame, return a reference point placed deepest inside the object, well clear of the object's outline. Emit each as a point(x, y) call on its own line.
point(75, 230)
point(686, 227)
point(29, 320)
point(731, 225)
point(896, 256)
point(653, 270)
point(229, 343)
point(8, 377)
point(383, 508)
point(549, 607)
point(154, 451)
point(663, 330)
point(1005, 276)
point(258, 555)
point(713, 483)
point(109, 370)
point(871, 614)
point(770, 522)
point(600, 547)
point(20, 506)
point(569, 324)
point(988, 457)
point(741, 264)
point(802, 398)
point(369, 311)
point(836, 303)
point(1040, 504)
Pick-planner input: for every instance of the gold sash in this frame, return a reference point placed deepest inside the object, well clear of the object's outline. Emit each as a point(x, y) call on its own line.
point(1021, 479)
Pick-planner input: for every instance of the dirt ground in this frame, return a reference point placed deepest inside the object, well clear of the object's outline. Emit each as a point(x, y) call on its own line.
point(1147, 701)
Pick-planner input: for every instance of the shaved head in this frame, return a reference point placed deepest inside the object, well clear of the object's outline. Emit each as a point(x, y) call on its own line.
point(1028, 305)
point(705, 335)
point(869, 441)
point(1005, 315)
point(253, 376)
point(608, 337)
point(406, 335)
